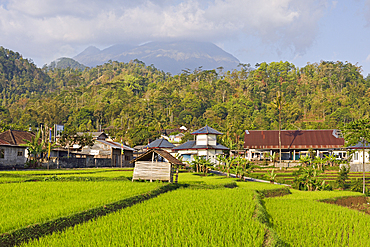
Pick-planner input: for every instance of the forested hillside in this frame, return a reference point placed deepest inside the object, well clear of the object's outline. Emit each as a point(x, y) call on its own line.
point(137, 101)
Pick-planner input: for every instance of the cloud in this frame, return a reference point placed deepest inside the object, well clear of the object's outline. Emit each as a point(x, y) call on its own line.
point(45, 27)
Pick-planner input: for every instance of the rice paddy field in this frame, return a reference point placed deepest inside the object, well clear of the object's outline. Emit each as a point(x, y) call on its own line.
point(286, 175)
point(200, 211)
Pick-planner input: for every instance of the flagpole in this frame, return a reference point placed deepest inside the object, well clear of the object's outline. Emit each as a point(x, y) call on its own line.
point(49, 147)
point(121, 151)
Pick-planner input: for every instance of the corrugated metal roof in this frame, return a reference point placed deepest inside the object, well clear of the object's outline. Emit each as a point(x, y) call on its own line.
point(116, 145)
point(160, 143)
point(292, 139)
point(206, 130)
point(148, 156)
point(94, 134)
point(360, 145)
point(192, 145)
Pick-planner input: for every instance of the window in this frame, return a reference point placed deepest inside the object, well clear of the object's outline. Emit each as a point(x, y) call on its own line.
point(355, 156)
point(20, 153)
point(2, 153)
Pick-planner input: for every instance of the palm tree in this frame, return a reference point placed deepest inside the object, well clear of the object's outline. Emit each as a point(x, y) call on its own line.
point(357, 132)
point(278, 104)
point(35, 148)
point(305, 160)
point(331, 159)
point(228, 163)
point(272, 158)
point(319, 161)
point(196, 162)
point(204, 164)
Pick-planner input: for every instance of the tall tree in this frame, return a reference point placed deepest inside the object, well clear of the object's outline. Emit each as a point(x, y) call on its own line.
point(279, 104)
point(357, 132)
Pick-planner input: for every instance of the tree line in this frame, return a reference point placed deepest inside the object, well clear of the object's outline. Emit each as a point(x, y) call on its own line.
point(137, 101)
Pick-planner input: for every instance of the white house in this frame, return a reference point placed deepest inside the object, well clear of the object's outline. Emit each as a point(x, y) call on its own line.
point(205, 145)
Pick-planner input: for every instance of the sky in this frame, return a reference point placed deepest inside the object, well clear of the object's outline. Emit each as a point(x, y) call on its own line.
point(298, 31)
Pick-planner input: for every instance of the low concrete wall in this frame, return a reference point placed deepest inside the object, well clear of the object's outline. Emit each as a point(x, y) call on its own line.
point(358, 167)
point(11, 166)
point(57, 163)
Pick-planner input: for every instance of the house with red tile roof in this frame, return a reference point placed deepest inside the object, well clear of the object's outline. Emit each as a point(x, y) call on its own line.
point(294, 143)
point(12, 154)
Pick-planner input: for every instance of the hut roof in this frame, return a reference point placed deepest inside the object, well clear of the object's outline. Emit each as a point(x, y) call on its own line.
point(148, 156)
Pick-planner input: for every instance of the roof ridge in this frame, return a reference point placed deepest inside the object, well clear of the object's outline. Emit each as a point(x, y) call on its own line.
point(12, 137)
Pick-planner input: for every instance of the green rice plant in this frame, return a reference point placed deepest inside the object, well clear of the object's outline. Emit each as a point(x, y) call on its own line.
point(28, 203)
point(300, 220)
point(219, 217)
point(25, 176)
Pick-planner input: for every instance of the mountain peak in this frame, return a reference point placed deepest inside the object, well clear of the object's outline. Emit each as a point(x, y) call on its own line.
point(170, 56)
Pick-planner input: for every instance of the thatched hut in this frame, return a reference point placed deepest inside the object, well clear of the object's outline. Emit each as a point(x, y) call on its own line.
point(155, 164)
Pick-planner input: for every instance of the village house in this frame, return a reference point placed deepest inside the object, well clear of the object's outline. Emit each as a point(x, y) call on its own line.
point(357, 159)
point(12, 153)
point(104, 147)
point(103, 153)
point(262, 144)
point(205, 145)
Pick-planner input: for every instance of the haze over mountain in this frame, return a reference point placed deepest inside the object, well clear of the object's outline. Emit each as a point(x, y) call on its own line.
point(64, 62)
point(170, 57)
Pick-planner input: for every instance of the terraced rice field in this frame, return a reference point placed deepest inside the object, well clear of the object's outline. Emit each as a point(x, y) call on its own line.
point(287, 175)
point(203, 211)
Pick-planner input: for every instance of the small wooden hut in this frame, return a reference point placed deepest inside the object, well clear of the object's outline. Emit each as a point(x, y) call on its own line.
point(155, 164)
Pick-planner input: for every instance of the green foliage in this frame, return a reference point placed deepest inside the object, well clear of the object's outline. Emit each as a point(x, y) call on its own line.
point(342, 177)
point(356, 185)
point(307, 178)
point(138, 102)
point(36, 148)
point(271, 176)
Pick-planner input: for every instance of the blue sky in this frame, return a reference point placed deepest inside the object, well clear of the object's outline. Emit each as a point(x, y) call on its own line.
point(298, 31)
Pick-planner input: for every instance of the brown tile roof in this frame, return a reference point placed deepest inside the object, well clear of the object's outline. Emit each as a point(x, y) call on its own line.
point(2, 142)
point(148, 156)
point(292, 139)
point(16, 137)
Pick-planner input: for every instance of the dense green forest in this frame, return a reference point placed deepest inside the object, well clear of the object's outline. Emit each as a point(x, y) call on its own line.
point(136, 102)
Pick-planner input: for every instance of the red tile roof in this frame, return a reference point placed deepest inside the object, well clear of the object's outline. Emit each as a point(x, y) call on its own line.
point(2, 142)
point(16, 137)
point(292, 139)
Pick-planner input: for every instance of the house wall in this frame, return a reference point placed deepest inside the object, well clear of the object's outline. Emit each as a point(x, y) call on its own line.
point(14, 157)
point(212, 140)
point(357, 157)
point(201, 140)
point(206, 140)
